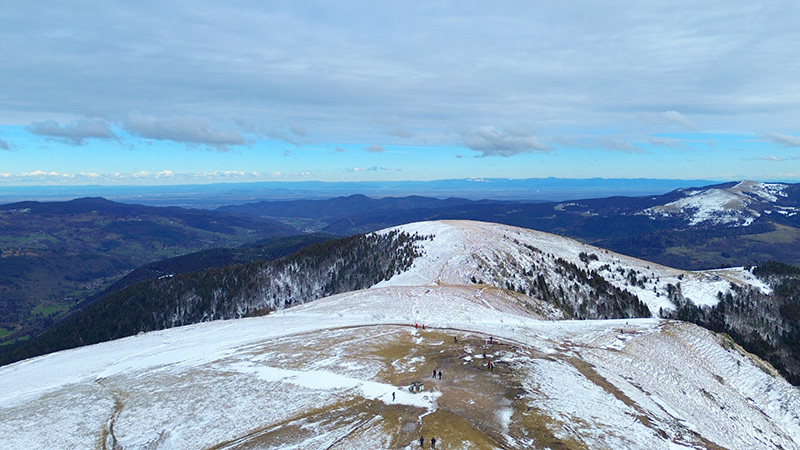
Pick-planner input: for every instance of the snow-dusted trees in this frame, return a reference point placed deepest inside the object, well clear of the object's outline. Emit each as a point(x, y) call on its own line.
point(237, 290)
point(765, 324)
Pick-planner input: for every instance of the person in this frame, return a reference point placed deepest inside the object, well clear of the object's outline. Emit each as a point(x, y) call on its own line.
point(421, 442)
point(392, 396)
point(491, 340)
point(440, 374)
point(434, 373)
point(455, 339)
point(433, 442)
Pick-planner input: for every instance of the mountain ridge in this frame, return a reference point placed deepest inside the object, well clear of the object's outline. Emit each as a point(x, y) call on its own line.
point(335, 373)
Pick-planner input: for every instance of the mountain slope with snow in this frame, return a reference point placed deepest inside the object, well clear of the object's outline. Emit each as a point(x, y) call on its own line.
point(739, 205)
point(336, 373)
point(466, 252)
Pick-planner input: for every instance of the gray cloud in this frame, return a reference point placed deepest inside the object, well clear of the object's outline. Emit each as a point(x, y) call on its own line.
point(75, 132)
point(599, 143)
point(579, 67)
point(667, 142)
point(509, 142)
point(671, 118)
point(375, 148)
point(4, 145)
point(189, 130)
point(782, 139)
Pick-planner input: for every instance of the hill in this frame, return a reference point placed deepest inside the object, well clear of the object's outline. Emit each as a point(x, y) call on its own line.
point(55, 254)
point(573, 280)
point(335, 374)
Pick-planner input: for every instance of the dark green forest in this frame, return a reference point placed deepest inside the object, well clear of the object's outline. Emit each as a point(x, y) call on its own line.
point(230, 292)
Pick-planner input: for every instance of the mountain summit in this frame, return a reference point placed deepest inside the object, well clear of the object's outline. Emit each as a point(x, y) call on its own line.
point(738, 205)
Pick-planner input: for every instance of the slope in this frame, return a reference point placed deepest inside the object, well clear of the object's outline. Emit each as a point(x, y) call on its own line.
point(335, 374)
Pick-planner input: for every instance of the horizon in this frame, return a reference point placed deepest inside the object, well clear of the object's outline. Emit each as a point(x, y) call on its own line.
point(358, 92)
point(210, 195)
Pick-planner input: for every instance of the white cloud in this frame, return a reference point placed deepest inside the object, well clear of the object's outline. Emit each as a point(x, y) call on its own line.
point(509, 142)
point(370, 169)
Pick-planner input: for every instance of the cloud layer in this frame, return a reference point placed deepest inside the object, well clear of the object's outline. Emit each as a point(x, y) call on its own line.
point(504, 80)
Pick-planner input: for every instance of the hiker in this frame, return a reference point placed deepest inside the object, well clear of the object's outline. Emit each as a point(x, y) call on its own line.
point(434, 373)
point(421, 442)
point(392, 396)
point(433, 442)
point(455, 339)
point(491, 340)
point(440, 374)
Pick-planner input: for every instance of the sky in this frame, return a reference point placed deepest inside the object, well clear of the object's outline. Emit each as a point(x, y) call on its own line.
point(185, 92)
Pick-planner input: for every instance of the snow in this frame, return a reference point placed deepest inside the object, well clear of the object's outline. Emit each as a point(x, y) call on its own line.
point(722, 206)
point(454, 254)
point(322, 375)
point(197, 386)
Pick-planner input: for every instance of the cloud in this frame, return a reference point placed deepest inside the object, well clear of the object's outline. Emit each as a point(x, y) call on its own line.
point(375, 148)
point(339, 149)
point(667, 142)
point(4, 145)
point(769, 158)
point(617, 144)
point(75, 132)
point(599, 143)
point(785, 140)
point(509, 142)
point(183, 129)
point(671, 118)
point(370, 169)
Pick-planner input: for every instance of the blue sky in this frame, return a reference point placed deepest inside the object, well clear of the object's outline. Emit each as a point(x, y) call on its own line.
point(198, 92)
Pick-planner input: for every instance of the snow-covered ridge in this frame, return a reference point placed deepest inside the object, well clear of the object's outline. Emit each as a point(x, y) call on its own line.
point(335, 373)
point(730, 206)
point(463, 252)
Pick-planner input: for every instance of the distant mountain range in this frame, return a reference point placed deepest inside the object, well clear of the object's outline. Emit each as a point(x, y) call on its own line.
point(209, 196)
point(697, 228)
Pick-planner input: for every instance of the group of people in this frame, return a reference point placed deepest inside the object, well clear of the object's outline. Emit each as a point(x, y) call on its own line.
point(434, 374)
point(422, 442)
